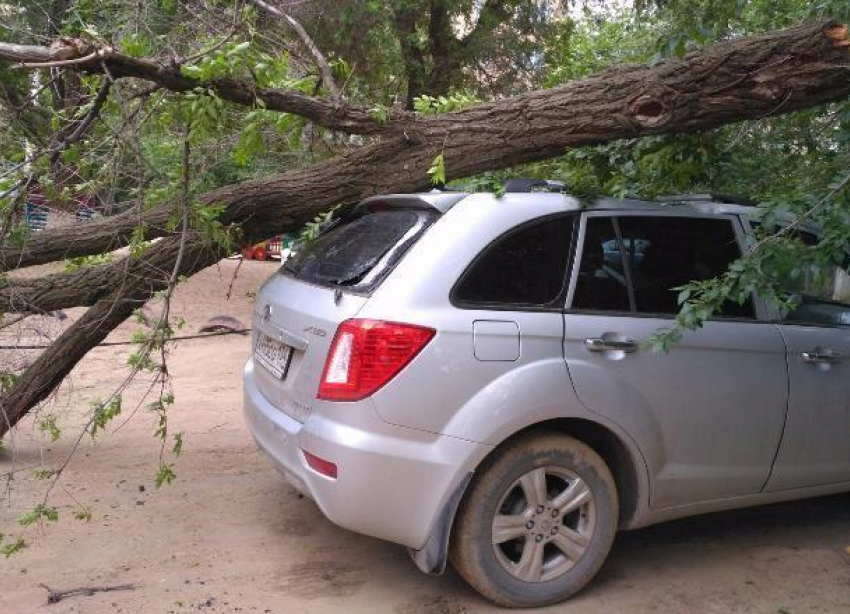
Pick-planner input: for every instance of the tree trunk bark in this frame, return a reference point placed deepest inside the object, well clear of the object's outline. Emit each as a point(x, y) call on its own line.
point(749, 78)
point(742, 79)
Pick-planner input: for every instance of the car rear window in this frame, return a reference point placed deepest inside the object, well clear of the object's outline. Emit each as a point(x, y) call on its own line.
point(358, 254)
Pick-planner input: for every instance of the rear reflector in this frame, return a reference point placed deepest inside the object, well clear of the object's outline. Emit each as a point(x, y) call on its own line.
point(366, 354)
point(320, 465)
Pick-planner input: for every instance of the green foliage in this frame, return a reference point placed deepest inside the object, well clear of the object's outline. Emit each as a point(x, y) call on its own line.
point(437, 170)
point(7, 381)
point(218, 64)
point(165, 475)
point(177, 448)
point(40, 512)
point(314, 228)
point(8, 548)
point(491, 181)
point(205, 219)
point(380, 112)
point(43, 473)
point(103, 413)
point(83, 515)
point(48, 426)
point(432, 105)
point(74, 264)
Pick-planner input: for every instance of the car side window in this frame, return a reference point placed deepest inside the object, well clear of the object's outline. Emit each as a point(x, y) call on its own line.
point(821, 295)
point(527, 267)
point(601, 284)
point(665, 253)
point(651, 257)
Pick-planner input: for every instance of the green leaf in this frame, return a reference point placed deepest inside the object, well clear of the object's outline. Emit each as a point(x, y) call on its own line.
point(103, 413)
point(437, 171)
point(39, 512)
point(42, 473)
point(83, 515)
point(178, 444)
point(165, 475)
point(9, 549)
point(48, 426)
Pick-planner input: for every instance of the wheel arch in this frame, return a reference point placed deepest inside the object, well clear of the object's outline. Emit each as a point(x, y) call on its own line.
point(624, 461)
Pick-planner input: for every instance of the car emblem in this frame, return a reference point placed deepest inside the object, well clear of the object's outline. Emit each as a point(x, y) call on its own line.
point(267, 313)
point(337, 296)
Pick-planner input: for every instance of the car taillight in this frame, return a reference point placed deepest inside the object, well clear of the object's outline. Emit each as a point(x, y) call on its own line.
point(366, 354)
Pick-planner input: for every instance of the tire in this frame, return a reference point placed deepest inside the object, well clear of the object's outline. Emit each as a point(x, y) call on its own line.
point(509, 485)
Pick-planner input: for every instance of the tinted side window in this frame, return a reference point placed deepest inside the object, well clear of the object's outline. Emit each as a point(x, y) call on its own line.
point(667, 252)
point(601, 284)
point(526, 267)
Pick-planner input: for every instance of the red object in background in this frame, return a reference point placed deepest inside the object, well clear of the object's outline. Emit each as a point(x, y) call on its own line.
point(274, 245)
point(248, 253)
point(260, 253)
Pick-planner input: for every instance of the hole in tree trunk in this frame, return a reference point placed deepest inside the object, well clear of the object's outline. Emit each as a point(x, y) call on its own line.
point(650, 109)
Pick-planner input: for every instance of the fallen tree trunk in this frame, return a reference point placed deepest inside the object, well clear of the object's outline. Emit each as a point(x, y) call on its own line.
point(748, 78)
point(742, 79)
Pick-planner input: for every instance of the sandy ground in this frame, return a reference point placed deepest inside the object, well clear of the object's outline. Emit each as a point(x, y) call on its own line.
point(230, 536)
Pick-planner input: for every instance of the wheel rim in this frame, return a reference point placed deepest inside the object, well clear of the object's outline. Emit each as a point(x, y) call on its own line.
point(543, 524)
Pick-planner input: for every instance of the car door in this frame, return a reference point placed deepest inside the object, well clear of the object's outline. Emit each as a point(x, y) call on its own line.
point(815, 448)
point(708, 414)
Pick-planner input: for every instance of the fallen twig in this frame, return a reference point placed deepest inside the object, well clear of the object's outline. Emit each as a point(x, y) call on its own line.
point(54, 596)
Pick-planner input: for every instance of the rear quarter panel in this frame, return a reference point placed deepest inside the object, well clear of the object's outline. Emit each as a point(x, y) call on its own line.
point(446, 389)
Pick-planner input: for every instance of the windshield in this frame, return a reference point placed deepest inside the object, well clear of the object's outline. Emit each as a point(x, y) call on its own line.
point(360, 253)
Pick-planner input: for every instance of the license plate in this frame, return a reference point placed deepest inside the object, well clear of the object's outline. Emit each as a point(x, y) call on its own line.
point(273, 355)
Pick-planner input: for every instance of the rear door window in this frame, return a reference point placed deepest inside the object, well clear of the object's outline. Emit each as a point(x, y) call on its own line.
point(525, 268)
point(640, 270)
point(665, 253)
point(360, 253)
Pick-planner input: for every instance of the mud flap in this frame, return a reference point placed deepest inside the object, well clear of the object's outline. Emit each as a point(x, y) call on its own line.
point(431, 559)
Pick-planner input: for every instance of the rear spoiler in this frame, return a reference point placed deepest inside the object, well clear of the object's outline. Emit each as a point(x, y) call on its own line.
point(428, 201)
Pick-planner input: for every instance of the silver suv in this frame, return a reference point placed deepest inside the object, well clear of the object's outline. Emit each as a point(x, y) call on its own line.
point(464, 374)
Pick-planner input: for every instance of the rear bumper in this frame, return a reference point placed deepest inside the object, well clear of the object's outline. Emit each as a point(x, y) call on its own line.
point(392, 481)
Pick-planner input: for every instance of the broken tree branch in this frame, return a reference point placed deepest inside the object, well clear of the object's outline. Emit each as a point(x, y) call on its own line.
point(80, 130)
point(55, 596)
point(321, 61)
point(64, 63)
point(343, 118)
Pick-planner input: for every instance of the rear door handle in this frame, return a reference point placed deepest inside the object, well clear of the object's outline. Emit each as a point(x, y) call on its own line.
point(821, 356)
point(597, 344)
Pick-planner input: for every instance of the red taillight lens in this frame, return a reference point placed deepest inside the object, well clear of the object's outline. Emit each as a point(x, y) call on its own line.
point(366, 354)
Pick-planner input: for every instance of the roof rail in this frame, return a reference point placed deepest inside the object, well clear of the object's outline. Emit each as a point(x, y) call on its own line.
point(709, 197)
point(524, 184)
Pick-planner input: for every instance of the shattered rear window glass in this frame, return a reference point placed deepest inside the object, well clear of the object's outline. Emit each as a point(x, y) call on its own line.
point(360, 253)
